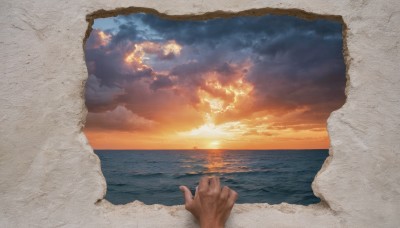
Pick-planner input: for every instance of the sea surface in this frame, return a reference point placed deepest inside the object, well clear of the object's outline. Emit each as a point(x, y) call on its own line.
point(259, 176)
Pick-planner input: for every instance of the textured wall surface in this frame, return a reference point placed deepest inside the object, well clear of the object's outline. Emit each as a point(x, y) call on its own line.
point(50, 177)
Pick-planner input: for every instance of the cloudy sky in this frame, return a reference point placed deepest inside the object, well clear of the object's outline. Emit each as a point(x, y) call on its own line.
point(265, 82)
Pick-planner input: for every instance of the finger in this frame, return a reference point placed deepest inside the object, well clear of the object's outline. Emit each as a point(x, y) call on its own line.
point(215, 184)
point(187, 194)
point(225, 193)
point(232, 197)
point(203, 184)
point(196, 195)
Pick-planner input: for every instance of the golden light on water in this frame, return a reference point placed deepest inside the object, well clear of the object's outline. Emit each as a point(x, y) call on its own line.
point(215, 162)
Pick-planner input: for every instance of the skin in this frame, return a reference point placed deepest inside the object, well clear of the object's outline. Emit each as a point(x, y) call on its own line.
point(211, 204)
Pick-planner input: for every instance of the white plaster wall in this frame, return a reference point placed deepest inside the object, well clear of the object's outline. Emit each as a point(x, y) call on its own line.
point(49, 176)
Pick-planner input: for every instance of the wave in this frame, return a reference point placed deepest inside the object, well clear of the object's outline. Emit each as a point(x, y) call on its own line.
point(147, 174)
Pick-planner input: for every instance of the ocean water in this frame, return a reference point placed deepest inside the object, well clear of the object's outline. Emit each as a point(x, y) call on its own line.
point(154, 176)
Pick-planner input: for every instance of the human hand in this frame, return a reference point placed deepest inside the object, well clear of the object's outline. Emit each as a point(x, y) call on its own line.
point(211, 205)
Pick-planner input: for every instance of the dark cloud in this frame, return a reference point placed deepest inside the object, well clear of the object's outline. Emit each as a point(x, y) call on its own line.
point(100, 98)
point(297, 71)
point(125, 32)
point(240, 31)
point(161, 82)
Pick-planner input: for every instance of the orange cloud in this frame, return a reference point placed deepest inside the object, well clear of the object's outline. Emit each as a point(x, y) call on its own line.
point(99, 38)
point(137, 55)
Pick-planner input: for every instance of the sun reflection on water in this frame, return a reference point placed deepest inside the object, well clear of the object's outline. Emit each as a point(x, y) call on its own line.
point(218, 161)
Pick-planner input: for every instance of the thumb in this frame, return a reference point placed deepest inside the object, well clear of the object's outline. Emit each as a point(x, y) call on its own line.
point(187, 194)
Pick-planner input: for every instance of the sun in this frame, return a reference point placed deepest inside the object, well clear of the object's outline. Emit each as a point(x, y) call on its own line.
point(215, 144)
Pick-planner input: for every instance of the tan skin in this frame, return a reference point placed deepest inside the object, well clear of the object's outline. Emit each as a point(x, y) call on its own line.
point(211, 205)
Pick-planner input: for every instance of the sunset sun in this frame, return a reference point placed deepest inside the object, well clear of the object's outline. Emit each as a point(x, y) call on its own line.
point(214, 144)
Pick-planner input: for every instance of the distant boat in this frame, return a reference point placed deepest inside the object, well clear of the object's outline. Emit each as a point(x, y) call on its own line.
point(195, 148)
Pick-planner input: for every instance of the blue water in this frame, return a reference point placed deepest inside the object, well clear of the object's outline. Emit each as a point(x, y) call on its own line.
point(154, 176)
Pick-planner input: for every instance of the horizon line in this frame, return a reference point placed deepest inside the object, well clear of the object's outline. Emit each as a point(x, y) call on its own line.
point(216, 149)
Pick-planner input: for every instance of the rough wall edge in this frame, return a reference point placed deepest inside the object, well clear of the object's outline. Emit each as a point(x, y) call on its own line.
point(325, 165)
point(324, 204)
point(209, 15)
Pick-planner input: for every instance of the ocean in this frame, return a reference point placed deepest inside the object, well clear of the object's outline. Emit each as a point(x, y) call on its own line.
point(259, 176)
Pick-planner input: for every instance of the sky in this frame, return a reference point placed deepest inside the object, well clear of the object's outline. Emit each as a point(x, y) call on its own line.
point(246, 82)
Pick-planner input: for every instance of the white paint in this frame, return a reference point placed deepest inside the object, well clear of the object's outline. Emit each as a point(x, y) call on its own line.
point(49, 176)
